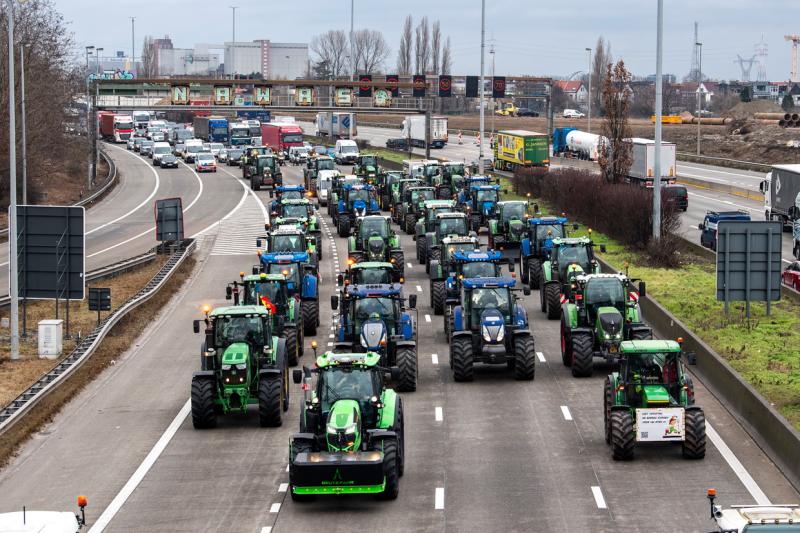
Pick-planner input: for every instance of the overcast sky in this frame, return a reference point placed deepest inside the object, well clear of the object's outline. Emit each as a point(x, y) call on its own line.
point(533, 37)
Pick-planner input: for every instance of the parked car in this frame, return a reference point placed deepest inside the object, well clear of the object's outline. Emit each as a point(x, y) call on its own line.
point(526, 112)
point(234, 156)
point(398, 143)
point(169, 161)
point(572, 113)
point(677, 194)
point(791, 276)
point(205, 162)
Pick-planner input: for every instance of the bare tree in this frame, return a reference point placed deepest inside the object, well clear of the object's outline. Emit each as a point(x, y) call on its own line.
point(422, 46)
point(404, 52)
point(370, 50)
point(602, 58)
point(615, 158)
point(447, 58)
point(331, 49)
point(436, 43)
point(149, 59)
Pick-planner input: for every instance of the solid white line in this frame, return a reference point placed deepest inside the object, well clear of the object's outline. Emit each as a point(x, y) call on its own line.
point(287, 467)
point(598, 498)
point(275, 507)
point(540, 355)
point(427, 318)
point(737, 467)
point(435, 358)
point(283, 487)
point(137, 477)
point(438, 499)
point(419, 289)
point(566, 413)
point(438, 414)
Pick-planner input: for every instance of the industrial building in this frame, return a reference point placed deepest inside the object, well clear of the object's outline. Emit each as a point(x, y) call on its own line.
point(271, 60)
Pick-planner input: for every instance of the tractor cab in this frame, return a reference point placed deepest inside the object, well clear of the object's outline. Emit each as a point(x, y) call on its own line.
point(462, 260)
point(430, 209)
point(375, 240)
point(287, 239)
point(573, 256)
point(451, 180)
point(371, 273)
point(301, 280)
point(653, 374)
point(431, 172)
point(508, 229)
point(264, 171)
point(287, 192)
point(249, 156)
point(270, 291)
point(765, 518)
point(299, 210)
point(366, 167)
point(412, 204)
point(480, 202)
point(387, 185)
point(541, 232)
point(450, 224)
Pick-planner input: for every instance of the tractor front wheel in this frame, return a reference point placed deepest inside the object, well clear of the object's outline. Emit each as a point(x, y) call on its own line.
point(552, 300)
point(310, 313)
point(524, 358)
point(399, 259)
point(438, 295)
point(408, 223)
point(534, 273)
point(622, 436)
point(298, 448)
point(461, 359)
point(290, 334)
point(642, 335)
point(582, 354)
point(203, 415)
point(344, 227)
point(270, 401)
point(406, 360)
point(391, 469)
point(694, 445)
point(448, 326)
point(608, 401)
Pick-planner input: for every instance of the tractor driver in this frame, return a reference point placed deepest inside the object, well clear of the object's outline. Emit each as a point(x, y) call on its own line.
point(486, 299)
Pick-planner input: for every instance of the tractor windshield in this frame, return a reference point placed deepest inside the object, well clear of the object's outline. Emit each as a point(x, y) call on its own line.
point(295, 211)
point(461, 247)
point(480, 269)
point(346, 384)
point(374, 226)
point(288, 270)
point(453, 226)
point(488, 298)
point(369, 161)
point(272, 291)
point(386, 308)
point(287, 243)
point(230, 329)
point(514, 211)
point(292, 195)
point(568, 255)
point(422, 195)
point(487, 195)
point(648, 368)
point(605, 292)
point(549, 231)
point(266, 163)
point(358, 194)
point(431, 171)
point(325, 164)
point(372, 276)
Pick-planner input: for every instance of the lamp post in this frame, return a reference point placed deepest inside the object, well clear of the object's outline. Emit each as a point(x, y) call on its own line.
point(699, 93)
point(24, 130)
point(12, 178)
point(657, 162)
point(89, 157)
point(287, 67)
point(589, 98)
point(97, 60)
point(233, 44)
point(483, 99)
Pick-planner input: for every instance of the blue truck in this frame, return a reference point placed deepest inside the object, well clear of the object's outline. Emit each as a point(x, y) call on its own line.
point(708, 227)
point(211, 129)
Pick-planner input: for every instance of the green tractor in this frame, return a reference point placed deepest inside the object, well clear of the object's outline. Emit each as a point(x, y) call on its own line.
point(272, 291)
point(450, 179)
point(444, 225)
point(651, 399)
point(537, 245)
point(248, 158)
point(264, 171)
point(302, 215)
point(603, 312)
point(351, 438)
point(427, 219)
point(387, 185)
point(367, 168)
point(374, 239)
point(412, 204)
point(569, 258)
point(507, 230)
point(398, 192)
point(370, 273)
point(313, 166)
point(242, 363)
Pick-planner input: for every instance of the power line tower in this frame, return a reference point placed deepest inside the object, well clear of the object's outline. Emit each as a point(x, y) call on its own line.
point(746, 65)
point(761, 49)
point(795, 41)
point(694, 72)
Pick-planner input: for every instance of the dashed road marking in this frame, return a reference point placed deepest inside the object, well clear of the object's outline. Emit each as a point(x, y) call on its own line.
point(435, 358)
point(275, 507)
point(598, 498)
point(330, 336)
point(330, 344)
point(409, 265)
point(566, 413)
point(438, 414)
point(287, 467)
point(266, 529)
point(438, 499)
point(427, 318)
point(419, 288)
point(540, 355)
point(283, 487)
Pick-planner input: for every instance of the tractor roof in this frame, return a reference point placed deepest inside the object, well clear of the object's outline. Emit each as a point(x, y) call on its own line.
point(648, 346)
point(421, 188)
point(572, 241)
point(489, 283)
point(251, 278)
point(430, 204)
point(385, 218)
point(484, 187)
point(452, 214)
point(470, 257)
point(377, 290)
point(286, 229)
point(296, 201)
point(330, 359)
point(550, 221)
point(511, 202)
point(285, 257)
point(319, 156)
point(478, 178)
point(286, 188)
point(588, 277)
point(239, 310)
point(358, 187)
point(394, 172)
point(366, 265)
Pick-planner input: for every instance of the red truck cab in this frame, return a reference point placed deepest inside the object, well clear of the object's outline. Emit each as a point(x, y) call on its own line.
point(280, 137)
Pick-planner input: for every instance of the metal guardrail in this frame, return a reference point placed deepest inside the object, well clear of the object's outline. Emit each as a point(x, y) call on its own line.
point(112, 177)
point(14, 411)
point(723, 160)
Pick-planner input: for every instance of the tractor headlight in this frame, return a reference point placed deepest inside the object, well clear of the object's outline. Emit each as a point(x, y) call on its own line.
point(331, 430)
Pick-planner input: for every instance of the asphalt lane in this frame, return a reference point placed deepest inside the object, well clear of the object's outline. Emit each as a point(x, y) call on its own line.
point(491, 455)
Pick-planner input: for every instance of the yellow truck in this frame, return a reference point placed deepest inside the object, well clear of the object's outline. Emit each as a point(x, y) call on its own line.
point(506, 110)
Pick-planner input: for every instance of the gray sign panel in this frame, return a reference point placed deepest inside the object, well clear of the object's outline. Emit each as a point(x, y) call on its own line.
point(749, 261)
point(169, 220)
point(51, 243)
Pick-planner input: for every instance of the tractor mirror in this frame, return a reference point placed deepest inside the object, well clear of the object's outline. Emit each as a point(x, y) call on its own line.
point(228, 293)
point(334, 302)
point(196, 326)
point(271, 194)
point(536, 208)
point(297, 375)
point(511, 266)
point(412, 301)
point(602, 248)
point(642, 289)
point(526, 290)
point(575, 226)
point(691, 358)
point(258, 243)
point(255, 270)
point(700, 226)
point(339, 280)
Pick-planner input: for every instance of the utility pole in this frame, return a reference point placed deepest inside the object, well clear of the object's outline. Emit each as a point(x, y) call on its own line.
point(483, 98)
point(657, 162)
point(13, 289)
point(24, 130)
point(233, 44)
point(89, 156)
point(97, 60)
point(589, 99)
point(494, 102)
point(352, 55)
point(133, 43)
point(699, 92)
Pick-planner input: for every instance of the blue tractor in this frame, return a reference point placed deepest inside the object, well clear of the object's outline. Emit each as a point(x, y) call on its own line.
point(446, 276)
point(301, 278)
point(491, 326)
point(356, 201)
point(536, 246)
point(373, 318)
point(480, 204)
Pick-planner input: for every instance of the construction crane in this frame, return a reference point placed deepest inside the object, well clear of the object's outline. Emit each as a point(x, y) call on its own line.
point(795, 41)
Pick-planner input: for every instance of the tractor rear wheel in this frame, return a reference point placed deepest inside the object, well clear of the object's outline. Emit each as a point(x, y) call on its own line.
point(582, 353)
point(385, 201)
point(408, 223)
point(406, 360)
point(552, 301)
point(399, 428)
point(566, 345)
point(203, 414)
point(461, 359)
point(299, 447)
point(343, 227)
point(399, 260)
point(310, 312)
point(642, 335)
point(290, 334)
point(534, 272)
point(608, 401)
point(255, 184)
point(524, 358)
point(434, 254)
point(438, 295)
point(694, 445)
point(622, 436)
point(318, 243)
point(270, 401)
point(421, 249)
point(541, 294)
point(391, 469)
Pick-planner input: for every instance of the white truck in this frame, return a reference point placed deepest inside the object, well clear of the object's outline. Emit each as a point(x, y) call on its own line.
point(642, 169)
point(781, 188)
point(774, 518)
point(413, 129)
point(336, 125)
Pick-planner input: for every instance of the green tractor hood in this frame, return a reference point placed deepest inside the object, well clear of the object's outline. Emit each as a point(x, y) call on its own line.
point(375, 247)
point(655, 396)
point(236, 354)
point(343, 430)
point(609, 324)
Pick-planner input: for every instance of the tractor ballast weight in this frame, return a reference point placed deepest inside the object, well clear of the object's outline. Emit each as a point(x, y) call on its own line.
point(569, 258)
point(301, 278)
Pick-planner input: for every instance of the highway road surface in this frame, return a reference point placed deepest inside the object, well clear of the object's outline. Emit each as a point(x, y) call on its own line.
point(492, 455)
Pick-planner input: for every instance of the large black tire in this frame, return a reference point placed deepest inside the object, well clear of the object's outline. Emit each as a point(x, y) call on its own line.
point(290, 334)
point(523, 271)
point(399, 260)
point(608, 401)
point(298, 448)
point(255, 184)
point(566, 345)
point(399, 428)
point(642, 335)
point(541, 294)
point(270, 401)
point(623, 438)
point(694, 445)
point(438, 296)
point(391, 469)
point(461, 359)
point(420, 243)
point(524, 358)
point(534, 272)
point(203, 413)
point(406, 360)
point(318, 244)
point(385, 201)
point(448, 326)
point(552, 298)
point(343, 227)
point(310, 311)
point(582, 354)
point(409, 221)
point(434, 254)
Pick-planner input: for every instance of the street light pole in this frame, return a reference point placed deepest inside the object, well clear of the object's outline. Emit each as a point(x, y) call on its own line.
point(287, 67)
point(233, 44)
point(12, 178)
point(657, 162)
point(97, 60)
point(494, 102)
point(89, 156)
point(699, 93)
point(589, 99)
point(24, 130)
point(483, 99)
point(133, 43)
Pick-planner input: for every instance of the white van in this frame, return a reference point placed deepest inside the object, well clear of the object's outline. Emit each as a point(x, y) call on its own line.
point(160, 149)
point(325, 184)
point(346, 152)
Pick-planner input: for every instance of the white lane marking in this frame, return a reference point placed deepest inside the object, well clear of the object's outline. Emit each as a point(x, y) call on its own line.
point(137, 477)
point(438, 499)
point(283, 487)
point(419, 289)
point(754, 210)
point(330, 344)
point(438, 414)
point(566, 413)
point(427, 318)
point(330, 336)
point(266, 529)
point(435, 358)
point(287, 467)
point(540, 355)
point(598, 498)
point(275, 507)
point(737, 467)
point(409, 265)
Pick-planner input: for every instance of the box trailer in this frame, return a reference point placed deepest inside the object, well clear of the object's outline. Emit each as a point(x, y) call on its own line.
point(413, 129)
point(336, 125)
point(781, 188)
point(642, 170)
point(521, 148)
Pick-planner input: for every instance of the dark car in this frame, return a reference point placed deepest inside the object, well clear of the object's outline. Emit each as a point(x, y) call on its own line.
point(234, 157)
point(397, 144)
point(169, 161)
point(677, 194)
point(137, 143)
point(525, 112)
